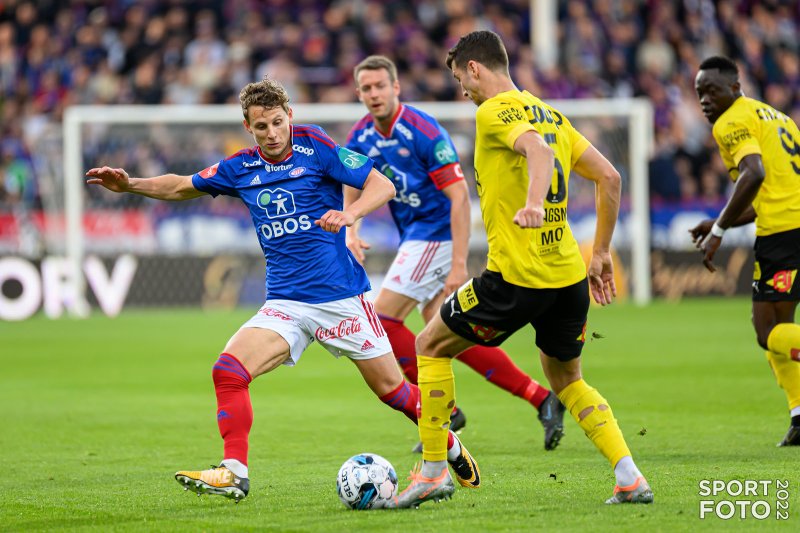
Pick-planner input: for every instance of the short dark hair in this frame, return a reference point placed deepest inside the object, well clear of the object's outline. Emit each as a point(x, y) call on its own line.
point(724, 64)
point(377, 63)
point(266, 93)
point(483, 46)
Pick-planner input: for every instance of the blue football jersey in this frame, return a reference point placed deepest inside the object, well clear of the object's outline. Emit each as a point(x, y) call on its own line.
point(304, 262)
point(418, 155)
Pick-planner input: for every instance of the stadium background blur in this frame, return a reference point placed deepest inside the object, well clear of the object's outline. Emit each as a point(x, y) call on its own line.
point(112, 52)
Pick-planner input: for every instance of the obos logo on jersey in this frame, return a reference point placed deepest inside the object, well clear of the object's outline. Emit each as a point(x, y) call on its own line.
point(401, 186)
point(279, 204)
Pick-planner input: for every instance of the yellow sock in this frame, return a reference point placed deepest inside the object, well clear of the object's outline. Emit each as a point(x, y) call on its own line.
point(595, 417)
point(437, 395)
point(787, 373)
point(785, 339)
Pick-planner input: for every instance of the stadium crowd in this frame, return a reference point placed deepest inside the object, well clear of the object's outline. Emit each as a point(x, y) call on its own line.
point(55, 54)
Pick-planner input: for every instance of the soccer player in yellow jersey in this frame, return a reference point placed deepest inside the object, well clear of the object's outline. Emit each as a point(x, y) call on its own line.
point(525, 152)
point(761, 148)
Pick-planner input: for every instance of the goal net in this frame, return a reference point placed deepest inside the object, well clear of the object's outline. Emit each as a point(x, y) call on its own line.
point(204, 252)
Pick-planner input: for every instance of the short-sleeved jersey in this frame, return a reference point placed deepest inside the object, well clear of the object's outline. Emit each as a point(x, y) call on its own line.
point(418, 155)
point(752, 127)
point(304, 262)
point(546, 257)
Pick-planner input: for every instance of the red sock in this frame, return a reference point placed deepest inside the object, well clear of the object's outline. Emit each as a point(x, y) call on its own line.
point(402, 340)
point(496, 366)
point(405, 398)
point(234, 410)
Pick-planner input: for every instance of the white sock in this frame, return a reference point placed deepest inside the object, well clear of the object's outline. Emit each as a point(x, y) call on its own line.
point(626, 472)
point(455, 450)
point(795, 411)
point(432, 469)
point(235, 466)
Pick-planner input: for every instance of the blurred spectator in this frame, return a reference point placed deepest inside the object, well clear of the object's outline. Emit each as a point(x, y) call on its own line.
point(54, 54)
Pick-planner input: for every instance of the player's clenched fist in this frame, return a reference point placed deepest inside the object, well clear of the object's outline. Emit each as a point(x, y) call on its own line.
point(335, 220)
point(113, 179)
point(529, 217)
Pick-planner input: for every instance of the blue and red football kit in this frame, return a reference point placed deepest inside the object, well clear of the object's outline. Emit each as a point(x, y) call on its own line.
point(304, 262)
point(418, 155)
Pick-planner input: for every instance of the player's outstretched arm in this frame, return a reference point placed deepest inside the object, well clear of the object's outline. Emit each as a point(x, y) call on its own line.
point(166, 187)
point(738, 208)
point(377, 190)
point(541, 161)
point(593, 166)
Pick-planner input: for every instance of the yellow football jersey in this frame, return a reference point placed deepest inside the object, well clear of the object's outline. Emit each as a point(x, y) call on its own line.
point(546, 257)
point(752, 127)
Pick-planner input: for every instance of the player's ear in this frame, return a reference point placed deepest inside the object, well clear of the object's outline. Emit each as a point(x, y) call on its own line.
point(290, 114)
point(472, 68)
point(246, 125)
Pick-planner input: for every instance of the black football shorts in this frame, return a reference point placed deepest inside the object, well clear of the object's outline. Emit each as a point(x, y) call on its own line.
point(487, 310)
point(775, 275)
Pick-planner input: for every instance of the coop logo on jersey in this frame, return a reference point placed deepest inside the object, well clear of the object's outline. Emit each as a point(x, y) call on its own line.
point(444, 153)
point(209, 172)
point(303, 149)
point(400, 181)
point(404, 131)
point(251, 164)
point(783, 280)
point(351, 159)
point(298, 171)
point(345, 328)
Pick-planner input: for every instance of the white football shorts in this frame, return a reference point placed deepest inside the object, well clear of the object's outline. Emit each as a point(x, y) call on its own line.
point(419, 269)
point(348, 327)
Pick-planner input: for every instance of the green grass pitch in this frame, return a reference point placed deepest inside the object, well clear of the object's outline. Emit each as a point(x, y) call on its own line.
point(98, 414)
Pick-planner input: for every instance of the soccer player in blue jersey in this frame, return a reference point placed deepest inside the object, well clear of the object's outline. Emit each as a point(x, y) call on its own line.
point(432, 213)
point(291, 182)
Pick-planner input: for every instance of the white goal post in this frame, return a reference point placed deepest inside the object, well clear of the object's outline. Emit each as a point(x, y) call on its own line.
point(637, 113)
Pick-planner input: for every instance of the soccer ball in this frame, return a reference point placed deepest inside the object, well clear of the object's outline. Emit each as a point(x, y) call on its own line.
point(364, 479)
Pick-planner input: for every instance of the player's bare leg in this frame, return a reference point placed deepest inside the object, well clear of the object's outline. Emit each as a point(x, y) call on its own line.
point(248, 354)
point(595, 417)
point(780, 336)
